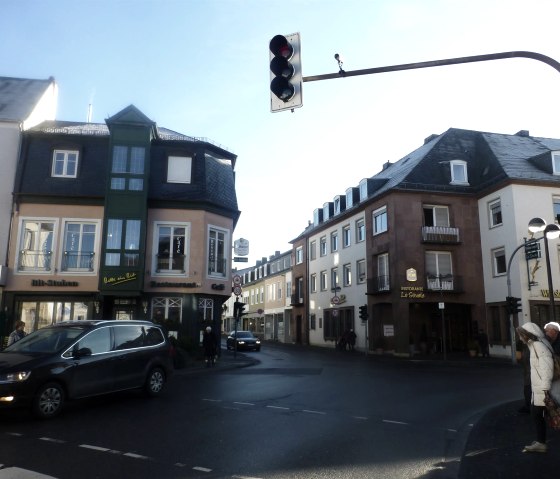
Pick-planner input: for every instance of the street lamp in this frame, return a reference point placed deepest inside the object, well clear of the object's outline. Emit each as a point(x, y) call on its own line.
point(551, 231)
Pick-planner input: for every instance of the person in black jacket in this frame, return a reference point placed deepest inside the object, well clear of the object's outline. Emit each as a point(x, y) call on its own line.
point(209, 343)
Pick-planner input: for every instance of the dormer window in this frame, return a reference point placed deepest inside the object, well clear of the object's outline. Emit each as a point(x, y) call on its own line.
point(556, 162)
point(349, 198)
point(363, 189)
point(459, 172)
point(65, 164)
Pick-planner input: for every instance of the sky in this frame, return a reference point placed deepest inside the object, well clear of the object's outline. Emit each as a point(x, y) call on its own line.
point(201, 68)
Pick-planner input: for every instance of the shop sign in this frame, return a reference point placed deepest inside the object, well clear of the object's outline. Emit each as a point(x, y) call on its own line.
point(411, 274)
point(121, 278)
point(412, 292)
point(167, 284)
point(53, 282)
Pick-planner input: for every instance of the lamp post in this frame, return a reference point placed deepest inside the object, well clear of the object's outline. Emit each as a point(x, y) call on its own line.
point(551, 231)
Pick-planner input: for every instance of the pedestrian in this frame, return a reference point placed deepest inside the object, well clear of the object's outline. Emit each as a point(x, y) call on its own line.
point(341, 345)
point(552, 332)
point(351, 339)
point(209, 343)
point(18, 333)
point(483, 344)
point(542, 370)
point(526, 364)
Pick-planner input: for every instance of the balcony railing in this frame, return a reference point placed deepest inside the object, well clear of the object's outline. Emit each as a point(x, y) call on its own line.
point(444, 283)
point(440, 234)
point(33, 260)
point(170, 264)
point(77, 261)
point(297, 300)
point(379, 284)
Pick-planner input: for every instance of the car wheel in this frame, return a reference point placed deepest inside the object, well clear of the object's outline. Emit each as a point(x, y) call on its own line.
point(155, 382)
point(48, 401)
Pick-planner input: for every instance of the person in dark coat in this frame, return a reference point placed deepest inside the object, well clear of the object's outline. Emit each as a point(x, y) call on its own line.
point(351, 339)
point(18, 333)
point(483, 344)
point(552, 333)
point(209, 343)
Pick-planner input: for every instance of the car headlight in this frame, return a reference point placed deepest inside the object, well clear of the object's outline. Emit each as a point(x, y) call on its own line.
point(240, 342)
point(258, 341)
point(14, 377)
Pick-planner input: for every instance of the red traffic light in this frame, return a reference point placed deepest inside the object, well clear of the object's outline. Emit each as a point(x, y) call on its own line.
point(285, 72)
point(281, 47)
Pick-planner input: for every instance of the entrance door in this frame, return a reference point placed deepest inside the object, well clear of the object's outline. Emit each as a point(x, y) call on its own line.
point(121, 312)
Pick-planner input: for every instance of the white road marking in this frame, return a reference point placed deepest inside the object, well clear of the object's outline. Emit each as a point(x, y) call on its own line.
point(212, 400)
point(313, 412)
point(95, 448)
point(202, 469)
point(50, 439)
point(135, 456)
point(395, 422)
point(243, 403)
point(363, 418)
point(278, 407)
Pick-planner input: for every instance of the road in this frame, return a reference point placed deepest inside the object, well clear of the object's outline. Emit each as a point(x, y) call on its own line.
point(299, 413)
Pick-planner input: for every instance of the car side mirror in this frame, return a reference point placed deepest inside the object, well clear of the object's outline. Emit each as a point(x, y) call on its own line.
point(82, 352)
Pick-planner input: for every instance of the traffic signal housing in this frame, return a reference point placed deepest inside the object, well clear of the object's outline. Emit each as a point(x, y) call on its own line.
point(285, 72)
point(239, 309)
point(513, 304)
point(363, 312)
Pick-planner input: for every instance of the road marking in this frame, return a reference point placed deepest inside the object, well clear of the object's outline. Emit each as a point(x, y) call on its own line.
point(50, 439)
point(313, 412)
point(243, 403)
point(212, 400)
point(17, 434)
point(202, 469)
point(363, 418)
point(135, 456)
point(395, 422)
point(95, 448)
point(278, 407)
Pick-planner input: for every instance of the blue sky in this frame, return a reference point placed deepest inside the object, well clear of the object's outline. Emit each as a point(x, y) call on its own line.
point(200, 67)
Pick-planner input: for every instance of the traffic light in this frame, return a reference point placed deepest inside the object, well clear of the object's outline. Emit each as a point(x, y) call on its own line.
point(285, 73)
point(513, 304)
point(363, 312)
point(239, 309)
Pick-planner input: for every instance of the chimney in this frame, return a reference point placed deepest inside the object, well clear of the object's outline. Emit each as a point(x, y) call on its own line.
point(524, 133)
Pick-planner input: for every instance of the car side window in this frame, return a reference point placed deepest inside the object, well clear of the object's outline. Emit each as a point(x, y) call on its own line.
point(153, 337)
point(98, 342)
point(128, 337)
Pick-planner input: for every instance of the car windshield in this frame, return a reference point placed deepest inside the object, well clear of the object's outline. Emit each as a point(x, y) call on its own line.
point(244, 334)
point(48, 340)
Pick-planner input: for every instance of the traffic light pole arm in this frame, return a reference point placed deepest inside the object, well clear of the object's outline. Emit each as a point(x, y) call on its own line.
point(438, 63)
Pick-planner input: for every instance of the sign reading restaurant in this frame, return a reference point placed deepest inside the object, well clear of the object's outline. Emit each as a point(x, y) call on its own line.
point(53, 282)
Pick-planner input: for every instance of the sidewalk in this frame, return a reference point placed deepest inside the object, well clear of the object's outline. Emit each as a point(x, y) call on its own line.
point(493, 449)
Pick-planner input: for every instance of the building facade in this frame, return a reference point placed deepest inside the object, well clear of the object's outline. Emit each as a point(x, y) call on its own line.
point(121, 220)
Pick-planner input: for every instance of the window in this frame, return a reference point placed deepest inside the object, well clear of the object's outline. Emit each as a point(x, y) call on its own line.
point(499, 261)
point(98, 341)
point(360, 230)
point(337, 206)
point(347, 274)
point(79, 246)
point(36, 245)
point(334, 278)
point(363, 189)
point(346, 236)
point(380, 220)
point(179, 169)
point(128, 337)
point(383, 283)
point(459, 172)
point(130, 250)
point(556, 162)
point(495, 213)
point(127, 165)
point(312, 250)
point(171, 240)
point(313, 283)
point(436, 215)
point(299, 255)
point(65, 164)
point(556, 208)
point(323, 280)
point(217, 257)
point(167, 308)
point(438, 270)
point(334, 241)
point(361, 271)
point(206, 308)
point(349, 198)
point(323, 246)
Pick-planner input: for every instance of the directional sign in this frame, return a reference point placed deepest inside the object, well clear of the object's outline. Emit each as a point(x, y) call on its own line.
point(237, 259)
point(532, 250)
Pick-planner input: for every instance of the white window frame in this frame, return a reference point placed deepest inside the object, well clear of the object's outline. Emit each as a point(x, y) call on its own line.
point(65, 161)
point(299, 255)
point(492, 216)
point(347, 274)
point(555, 162)
point(323, 246)
point(22, 241)
point(313, 283)
point(346, 236)
point(383, 278)
point(212, 265)
point(361, 271)
point(384, 225)
point(440, 215)
point(91, 254)
point(360, 230)
point(499, 253)
point(156, 254)
point(334, 241)
point(312, 250)
point(179, 169)
point(459, 174)
point(323, 279)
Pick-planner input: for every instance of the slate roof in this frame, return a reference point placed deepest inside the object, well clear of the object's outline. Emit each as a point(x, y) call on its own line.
point(491, 158)
point(18, 97)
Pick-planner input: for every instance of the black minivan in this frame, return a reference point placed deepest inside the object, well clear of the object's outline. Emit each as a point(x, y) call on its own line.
point(77, 359)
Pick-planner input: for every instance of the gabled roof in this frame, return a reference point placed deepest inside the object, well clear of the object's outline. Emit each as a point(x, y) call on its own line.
point(19, 96)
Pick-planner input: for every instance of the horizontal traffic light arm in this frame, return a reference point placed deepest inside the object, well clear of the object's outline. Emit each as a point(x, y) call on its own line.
point(438, 63)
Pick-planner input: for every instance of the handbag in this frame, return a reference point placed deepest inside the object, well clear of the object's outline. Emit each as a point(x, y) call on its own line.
point(552, 411)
